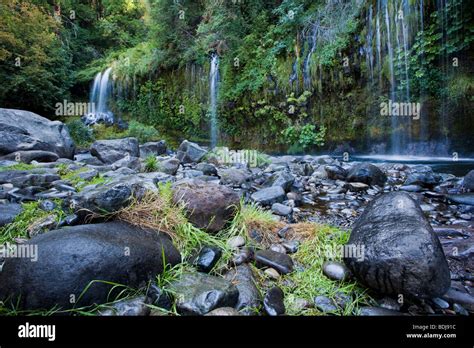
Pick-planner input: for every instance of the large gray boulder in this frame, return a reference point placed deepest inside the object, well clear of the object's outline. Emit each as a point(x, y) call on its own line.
point(25, 131)
point(468, 181)
point(269, 195)
point(207, 205)
point(116, 194)
point(366, 173)
point(71, 259)
point(401, 254)
point(155, 148)
point(8, 213)
point(29, 156)
point(189, 152)
point(110, 151)
point(199, 293)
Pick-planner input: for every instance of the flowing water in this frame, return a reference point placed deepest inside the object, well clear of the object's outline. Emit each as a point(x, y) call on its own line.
point(99, 100)
point(213, 91)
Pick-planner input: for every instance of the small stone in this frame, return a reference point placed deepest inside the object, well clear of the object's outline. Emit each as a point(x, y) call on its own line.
point(283, 232)
point(335, 270)
point(47, 205)
point(243, 256)
point(236, 242)
point(291, 247)
point(440, 303)
point(272, 273)
point(281, 262)
point(281, 209)
point(389, 303)
point(301, 304)
point(278, 248)
point(324, 304)
point(273, 302)
point(134, 307)
point(460, 309)
point(342, 300)
point(377, 311)
point(223, 312)
point(159, 298)
point(207, 259)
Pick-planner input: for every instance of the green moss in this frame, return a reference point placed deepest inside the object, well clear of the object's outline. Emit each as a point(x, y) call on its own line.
point(19, 166)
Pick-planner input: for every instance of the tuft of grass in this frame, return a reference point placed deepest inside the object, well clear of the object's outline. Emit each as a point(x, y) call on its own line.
point(151, 164)
point(254, 218)
point(321, 244)
point(157, 211)
point(76, 181)
point(19, 166)
point(31, 213)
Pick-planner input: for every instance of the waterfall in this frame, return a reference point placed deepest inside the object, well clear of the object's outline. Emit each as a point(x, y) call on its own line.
point(213, 91)
point(98, 111)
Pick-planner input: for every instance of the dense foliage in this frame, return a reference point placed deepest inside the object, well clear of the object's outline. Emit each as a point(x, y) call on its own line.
point(292, 72)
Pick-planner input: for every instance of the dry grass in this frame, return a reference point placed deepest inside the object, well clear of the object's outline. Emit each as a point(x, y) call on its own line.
point(154, 211)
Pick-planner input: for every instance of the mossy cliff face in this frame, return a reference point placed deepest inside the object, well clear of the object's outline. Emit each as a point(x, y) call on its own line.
point(325, 65)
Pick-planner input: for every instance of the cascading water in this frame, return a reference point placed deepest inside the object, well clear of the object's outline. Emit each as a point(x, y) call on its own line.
point(213, 91)
point(99, 96)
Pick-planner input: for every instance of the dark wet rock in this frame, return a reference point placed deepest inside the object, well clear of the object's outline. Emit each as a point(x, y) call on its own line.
point(468, 181)
point(389, 303)
point(191, 173)
point(249, 296)
point(269, 196)
point(440, 303)
point(207, 258)
point(189, 152)
point(69, 259)
point(411, 188)
point(366, 173)
point(34, 179)
point(291, 246)
point(281, 262)
point(207, 169)
point(110, 151)
point(136, 307)
point(199, 293)
point(8, 213)
point(156, 148)
point(281, 209)
point(284, 180)
point(273, 303)
point(47, 205)
point(463, 298)
point(242, 256)
point(284, 231)
point(424, 177)
point(110, 197)
point(30, 156)
point(356, 187)
point(224, 312)
point(335, 270)
point(401, 255)
point(160, 298)
point(208, 206)
point(336, 172)
point(325, 304)
point(69, 220)
point(25, 131)
point(130, 162)
point(278, 248)
point(377, 311)
point(235, 177)
point(169, 166)
point(458, 309)
point(467, 198)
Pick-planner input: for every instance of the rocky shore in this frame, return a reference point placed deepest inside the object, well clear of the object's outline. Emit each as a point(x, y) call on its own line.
point(177, 224)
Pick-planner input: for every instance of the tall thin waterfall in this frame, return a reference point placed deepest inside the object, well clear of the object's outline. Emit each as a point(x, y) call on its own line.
point(213, 91)
point(99, 98)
